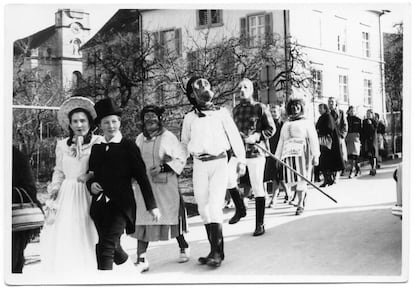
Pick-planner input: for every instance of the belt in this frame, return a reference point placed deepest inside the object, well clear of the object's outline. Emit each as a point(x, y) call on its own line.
point(208, 157)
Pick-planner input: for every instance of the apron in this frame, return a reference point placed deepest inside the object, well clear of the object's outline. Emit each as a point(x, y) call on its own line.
point(164, 187)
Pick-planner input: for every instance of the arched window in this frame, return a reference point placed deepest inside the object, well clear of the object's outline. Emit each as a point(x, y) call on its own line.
point(76, 79)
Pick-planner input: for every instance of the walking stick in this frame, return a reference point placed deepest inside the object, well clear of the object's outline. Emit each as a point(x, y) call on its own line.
point(291, 169)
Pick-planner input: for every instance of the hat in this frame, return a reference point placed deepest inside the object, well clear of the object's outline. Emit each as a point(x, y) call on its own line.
point(71, 104)
point(106, 107)
point(152, 108)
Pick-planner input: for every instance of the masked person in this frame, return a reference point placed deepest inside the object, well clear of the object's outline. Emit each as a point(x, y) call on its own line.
point(298, 147)
point(114, 163)
point(164, 158)
point(255, 123)
point(208, 132)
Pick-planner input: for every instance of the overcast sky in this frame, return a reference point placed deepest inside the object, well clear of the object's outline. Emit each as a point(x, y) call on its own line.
point(43, 16)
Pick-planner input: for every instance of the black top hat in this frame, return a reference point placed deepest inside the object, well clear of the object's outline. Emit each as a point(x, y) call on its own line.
point(106, 107)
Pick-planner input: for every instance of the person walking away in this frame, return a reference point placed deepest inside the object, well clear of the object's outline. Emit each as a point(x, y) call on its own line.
point(353, 142)
point(67, 241)
point(330, 160)
point(369, 140)
point(114, 163)
point(382, 142)
point(298, 147)
point(208, 132)
point(256, 125)
point(164, 158)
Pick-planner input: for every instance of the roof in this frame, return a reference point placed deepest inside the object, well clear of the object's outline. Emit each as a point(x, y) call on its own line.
point(118, 22)
point(34, 40)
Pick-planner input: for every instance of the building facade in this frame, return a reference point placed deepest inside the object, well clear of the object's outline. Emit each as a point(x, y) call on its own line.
point(55, 51)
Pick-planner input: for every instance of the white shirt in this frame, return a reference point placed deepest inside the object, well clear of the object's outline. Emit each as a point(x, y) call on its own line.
point(213, 134)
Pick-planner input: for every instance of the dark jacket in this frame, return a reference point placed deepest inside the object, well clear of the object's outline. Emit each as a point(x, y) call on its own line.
point(341, 123)
point(354, 124)
point(113, 170)
point(330, 159)
point(22, 177)
point(369, 137)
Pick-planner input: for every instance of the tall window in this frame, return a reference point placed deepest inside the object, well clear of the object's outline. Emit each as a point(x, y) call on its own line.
point(341, 35)
point(343, 88)
point(368, 92)
point(256, 29)
point(168, 43)
point(209, 18)
point(317, 21)
point(317, 83)
point(365, 45)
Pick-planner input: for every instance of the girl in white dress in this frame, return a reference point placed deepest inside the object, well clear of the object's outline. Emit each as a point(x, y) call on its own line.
point(67, 241)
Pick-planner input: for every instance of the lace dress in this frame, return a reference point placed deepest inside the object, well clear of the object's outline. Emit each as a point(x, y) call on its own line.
point(68, 243)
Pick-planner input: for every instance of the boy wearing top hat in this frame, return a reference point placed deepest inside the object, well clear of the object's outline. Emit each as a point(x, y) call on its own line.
point(114, 163)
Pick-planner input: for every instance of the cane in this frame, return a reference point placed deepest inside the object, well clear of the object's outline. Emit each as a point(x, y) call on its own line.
point(291, 169)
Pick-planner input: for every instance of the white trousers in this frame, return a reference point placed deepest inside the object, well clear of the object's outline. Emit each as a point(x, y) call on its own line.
point(210, 182)
point(232, 174)
point(256, 168)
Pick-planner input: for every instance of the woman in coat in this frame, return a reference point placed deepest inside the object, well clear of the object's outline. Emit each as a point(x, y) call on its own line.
point(164, 158)
point(353, 143)
point(298, 147)
point(369, 141)
point(331, 159)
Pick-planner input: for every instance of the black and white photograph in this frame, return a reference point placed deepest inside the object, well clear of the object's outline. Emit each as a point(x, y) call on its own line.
point(206, 143)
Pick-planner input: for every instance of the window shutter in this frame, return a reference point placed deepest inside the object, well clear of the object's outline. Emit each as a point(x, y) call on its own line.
point(156, 37)
point(269, 28)
point(243, 31)
point(178, 41)
point(220, 16)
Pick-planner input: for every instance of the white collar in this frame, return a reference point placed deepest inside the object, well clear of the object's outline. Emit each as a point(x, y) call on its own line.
point(116, 139)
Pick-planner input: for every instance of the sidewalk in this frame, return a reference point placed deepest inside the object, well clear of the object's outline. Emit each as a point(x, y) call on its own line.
point(358, 237)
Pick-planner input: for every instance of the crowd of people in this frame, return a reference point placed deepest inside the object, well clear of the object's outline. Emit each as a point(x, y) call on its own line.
point(103, 186)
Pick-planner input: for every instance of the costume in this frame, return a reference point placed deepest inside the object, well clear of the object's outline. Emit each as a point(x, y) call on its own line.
point(22, 177)
point(252, 117)
point(297, 146)
point(114, 164)
point(207, 133)
point(69, 242)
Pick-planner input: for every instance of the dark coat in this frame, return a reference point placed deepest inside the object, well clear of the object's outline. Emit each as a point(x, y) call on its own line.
point(330, 159)
point(369, 138)
point(22, 177)
point(113, 170)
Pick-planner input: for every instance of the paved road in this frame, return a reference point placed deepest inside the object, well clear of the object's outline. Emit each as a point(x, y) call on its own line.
point(355, 240)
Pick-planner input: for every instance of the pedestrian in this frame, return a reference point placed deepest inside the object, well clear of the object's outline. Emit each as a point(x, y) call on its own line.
point(164, 158)
point(273, 170)
point(22, 178)
point(68, 238)
point(114, 163)
point(353, 142)
point(330, 160)
point(208, 132)
point(369, 140)
point(298, 147)
point(342, 126)
point(382, 142)
point(255, 124)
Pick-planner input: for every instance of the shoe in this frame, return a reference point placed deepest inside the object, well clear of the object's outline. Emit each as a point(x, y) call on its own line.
point(299, 210)
point(260, 230)
point(203, 260)
point(373, 172)
point(184, 255)
point(236, 218)
point(324, 184)
point(142, 266)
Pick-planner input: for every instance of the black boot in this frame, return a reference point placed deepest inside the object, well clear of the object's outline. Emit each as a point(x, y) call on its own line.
point(203, 260)
point(239, 206)
point(217, 245)
point(260, 210)
point(357, 169)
